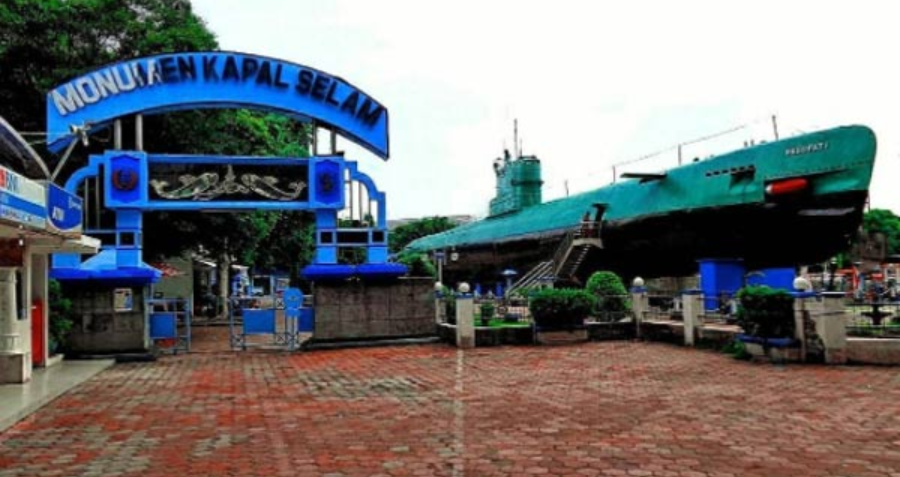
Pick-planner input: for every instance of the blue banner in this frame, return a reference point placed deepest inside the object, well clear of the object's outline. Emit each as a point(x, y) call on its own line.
point(22, 200)
point(172, 82)
point(64, 210)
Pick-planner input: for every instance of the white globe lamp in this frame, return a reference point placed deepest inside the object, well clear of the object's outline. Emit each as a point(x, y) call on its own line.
point(802, 284)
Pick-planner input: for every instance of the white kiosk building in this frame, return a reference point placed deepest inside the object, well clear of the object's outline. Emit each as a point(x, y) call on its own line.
point(37, 218)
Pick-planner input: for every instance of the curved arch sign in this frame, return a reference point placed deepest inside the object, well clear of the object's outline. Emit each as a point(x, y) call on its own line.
point(172, 82)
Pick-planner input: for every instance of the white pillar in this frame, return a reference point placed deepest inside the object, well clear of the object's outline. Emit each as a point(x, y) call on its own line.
point(800, 312)
point(15, 360)
point(691, 305)
point(640, 305)
point(9, 332)
point(831, 326)
point(465, 321)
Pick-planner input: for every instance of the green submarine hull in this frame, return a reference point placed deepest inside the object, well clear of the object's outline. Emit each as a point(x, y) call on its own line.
point(785, 203)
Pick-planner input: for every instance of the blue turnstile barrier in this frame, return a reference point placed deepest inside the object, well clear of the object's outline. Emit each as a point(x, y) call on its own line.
point(283, 323)
point(307, 320)
point(163, 326)
point(258, 322)
point(170, 324)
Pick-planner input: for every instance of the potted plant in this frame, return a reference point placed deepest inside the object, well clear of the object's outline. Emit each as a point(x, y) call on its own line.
point(766, 316)
point(559, 315)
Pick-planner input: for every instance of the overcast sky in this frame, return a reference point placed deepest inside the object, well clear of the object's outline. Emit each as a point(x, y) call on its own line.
point(592, 83)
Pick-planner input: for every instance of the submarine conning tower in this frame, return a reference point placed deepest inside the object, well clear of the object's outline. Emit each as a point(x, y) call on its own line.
point(518, 184)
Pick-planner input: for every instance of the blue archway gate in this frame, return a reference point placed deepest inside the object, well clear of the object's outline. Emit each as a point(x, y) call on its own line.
point(137, 181)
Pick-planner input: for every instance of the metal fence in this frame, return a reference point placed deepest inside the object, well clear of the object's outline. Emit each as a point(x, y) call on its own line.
point(495, 311)
point(664, 306)
point(873, 319)
point(489, 310)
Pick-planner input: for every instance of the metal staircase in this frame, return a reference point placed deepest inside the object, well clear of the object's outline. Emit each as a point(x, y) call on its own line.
point(571, 253)
point(540, 275)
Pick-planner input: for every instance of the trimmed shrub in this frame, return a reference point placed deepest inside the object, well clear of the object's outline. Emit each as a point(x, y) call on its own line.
point(607, 287)
point(419, 265)
point(766, 312)
point(561, 309)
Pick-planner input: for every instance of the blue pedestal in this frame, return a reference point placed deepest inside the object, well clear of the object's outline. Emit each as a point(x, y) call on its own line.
point(720, 279)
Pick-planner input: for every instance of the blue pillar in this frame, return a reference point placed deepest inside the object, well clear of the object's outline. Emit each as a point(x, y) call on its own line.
point(128, 241)
point(720, 277)
point(326, 220)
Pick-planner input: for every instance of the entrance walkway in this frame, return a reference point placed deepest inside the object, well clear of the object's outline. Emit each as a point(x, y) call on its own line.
point(607, 408)
point(20, 400)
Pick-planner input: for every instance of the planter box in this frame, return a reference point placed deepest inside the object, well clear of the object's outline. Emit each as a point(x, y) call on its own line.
point(489, 336)
point(561, 337)
point(611, 331)
point(775, 350)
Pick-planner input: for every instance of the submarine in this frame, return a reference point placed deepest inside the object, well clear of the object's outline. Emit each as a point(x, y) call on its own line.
point(790, 202)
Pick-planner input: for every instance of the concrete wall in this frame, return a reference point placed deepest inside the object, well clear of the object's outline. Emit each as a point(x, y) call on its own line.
point(98, 327)
point(873, 350)
point(356, 310)
point(181, 286)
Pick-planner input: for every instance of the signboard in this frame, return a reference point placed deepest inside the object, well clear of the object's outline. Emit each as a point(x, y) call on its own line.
point(178, 81)
point(123, 300)
point(64, 211)
point(229, 182)
point(22, 200)
point(141, 181)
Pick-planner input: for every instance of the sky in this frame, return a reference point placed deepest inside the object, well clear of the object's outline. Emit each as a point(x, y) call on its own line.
point(591, 83)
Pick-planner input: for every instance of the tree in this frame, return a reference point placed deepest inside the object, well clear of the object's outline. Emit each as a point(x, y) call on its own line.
point(44, 43)
point(401, 236)
point(290, 244)
point(886, 222)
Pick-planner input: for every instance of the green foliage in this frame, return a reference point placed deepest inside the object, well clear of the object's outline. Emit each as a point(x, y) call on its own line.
point(737, 350)
point(268, 239)
point(766, 312)
point(60, 314)
point(487, 310)
point(886, 222)
point(44, 43)
point(610, 292)
point(401, 236)
point(419, 265)
point(449, 299)
point(564, 308)
point(496, 323)
point(288, 243)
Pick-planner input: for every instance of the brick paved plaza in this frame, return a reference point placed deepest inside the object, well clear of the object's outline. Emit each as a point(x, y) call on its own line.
point(614, 408)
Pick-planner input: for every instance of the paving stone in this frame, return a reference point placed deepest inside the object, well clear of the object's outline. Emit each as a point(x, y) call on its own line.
point(610, 408)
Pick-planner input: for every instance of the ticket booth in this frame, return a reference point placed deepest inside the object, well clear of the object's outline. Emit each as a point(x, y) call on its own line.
point(37, 218)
